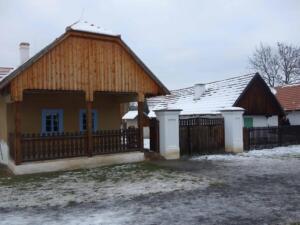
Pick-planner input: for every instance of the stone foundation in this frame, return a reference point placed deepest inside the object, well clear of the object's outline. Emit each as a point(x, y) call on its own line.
point(75, 163)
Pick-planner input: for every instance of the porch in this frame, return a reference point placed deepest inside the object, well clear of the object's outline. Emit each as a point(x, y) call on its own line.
point(39, 147)
point(49, 125)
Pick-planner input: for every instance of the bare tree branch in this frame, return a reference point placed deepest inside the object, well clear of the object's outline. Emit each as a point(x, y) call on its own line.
point(277, 67)
point(289, 58)
point(266, 62)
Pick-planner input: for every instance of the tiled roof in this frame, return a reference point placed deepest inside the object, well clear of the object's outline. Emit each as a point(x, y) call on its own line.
point(217, 96)
point(289, 96)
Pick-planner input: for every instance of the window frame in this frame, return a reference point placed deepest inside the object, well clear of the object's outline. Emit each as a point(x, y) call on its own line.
point(95, 121)
point(60, 113)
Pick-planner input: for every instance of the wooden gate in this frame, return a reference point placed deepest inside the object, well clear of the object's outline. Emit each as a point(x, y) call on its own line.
point(201, 136)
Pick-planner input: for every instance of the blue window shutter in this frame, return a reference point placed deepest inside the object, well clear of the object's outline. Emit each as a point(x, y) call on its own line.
point(61, 120)
point(95, 112)
point(44, 120)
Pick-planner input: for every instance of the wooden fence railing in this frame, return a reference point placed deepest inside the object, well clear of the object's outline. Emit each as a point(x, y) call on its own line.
point(269, 137)
point(116, 141)
point(201, 136)
point(37, 147)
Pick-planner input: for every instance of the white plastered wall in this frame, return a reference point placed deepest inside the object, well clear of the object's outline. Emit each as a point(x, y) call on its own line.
point(294, 117)
point(263, 121)
point(233, 126)
point(169, 133)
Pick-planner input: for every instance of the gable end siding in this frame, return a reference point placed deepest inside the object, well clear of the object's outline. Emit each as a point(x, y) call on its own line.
point(86, 64)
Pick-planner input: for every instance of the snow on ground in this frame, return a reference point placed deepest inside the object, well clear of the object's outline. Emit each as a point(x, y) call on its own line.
point(258, 187)
point(99, 184)
point(279, 152)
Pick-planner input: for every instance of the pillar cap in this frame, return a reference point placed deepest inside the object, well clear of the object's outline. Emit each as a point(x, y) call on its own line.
point(232, 109)
point(167, 110)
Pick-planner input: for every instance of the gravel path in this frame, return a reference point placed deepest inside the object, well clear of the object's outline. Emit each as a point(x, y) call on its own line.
point(244, 189)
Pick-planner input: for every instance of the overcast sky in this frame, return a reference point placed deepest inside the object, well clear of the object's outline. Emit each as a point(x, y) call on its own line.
point(182, 42)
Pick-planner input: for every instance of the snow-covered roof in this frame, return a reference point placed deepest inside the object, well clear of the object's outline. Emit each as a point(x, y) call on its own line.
point(4, 71)
point(130, 115)
point(90, 27)
point(217, 96)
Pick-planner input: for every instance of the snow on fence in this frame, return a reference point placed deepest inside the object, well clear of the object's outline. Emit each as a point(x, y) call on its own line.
point(201, 136)
point(270, 137)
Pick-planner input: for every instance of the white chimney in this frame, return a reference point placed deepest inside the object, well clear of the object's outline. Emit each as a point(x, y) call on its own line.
point(199, 89)
point(24, 52)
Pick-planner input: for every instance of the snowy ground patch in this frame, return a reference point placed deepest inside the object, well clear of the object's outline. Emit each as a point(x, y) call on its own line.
point(251, 188)
point(91, 185)
point(275, 153)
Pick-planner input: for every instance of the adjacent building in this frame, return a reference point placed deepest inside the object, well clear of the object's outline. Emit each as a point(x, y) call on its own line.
point(289, 97)
point(249, 92)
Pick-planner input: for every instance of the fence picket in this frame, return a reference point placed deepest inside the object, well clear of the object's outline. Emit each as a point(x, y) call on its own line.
point(269, 137)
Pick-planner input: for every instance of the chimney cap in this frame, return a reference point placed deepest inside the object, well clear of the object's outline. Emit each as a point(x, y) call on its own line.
point(199, 84)
point(24, 44)
point(199, 89)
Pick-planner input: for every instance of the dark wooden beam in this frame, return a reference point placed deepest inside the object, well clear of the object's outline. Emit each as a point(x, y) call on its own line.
point(17, 144)
point(140, 123)
point(89, 128)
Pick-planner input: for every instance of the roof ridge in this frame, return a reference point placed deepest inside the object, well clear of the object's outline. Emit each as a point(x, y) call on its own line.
point(6, 67)
point(288, 85)
point(230, 78)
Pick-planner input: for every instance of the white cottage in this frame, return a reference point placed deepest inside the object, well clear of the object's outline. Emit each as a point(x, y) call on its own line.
point(249, 92)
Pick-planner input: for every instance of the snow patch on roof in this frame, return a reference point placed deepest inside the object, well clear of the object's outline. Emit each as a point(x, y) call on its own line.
point(4, 72)
point(130, 115)
point(90, 27)
point(151, 114)
point(218, 96)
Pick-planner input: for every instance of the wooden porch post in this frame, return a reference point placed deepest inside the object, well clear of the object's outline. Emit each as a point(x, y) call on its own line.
point(17, 140)
point(89, 128)
point(141, 118)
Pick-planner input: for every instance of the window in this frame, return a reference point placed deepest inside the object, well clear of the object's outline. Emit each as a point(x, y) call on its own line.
point(248, 122)
point(83, 122)
point(52, 120)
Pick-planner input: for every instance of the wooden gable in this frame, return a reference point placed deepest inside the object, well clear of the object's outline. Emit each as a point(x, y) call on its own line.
point(257, 99)
point(79, 61)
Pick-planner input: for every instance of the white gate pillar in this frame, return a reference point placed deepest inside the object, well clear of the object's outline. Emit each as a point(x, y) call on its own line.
point(168, 133)
point(233, 126)
point(4, 153)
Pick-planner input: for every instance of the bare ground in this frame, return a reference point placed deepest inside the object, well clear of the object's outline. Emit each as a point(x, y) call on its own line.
point(253, 190)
